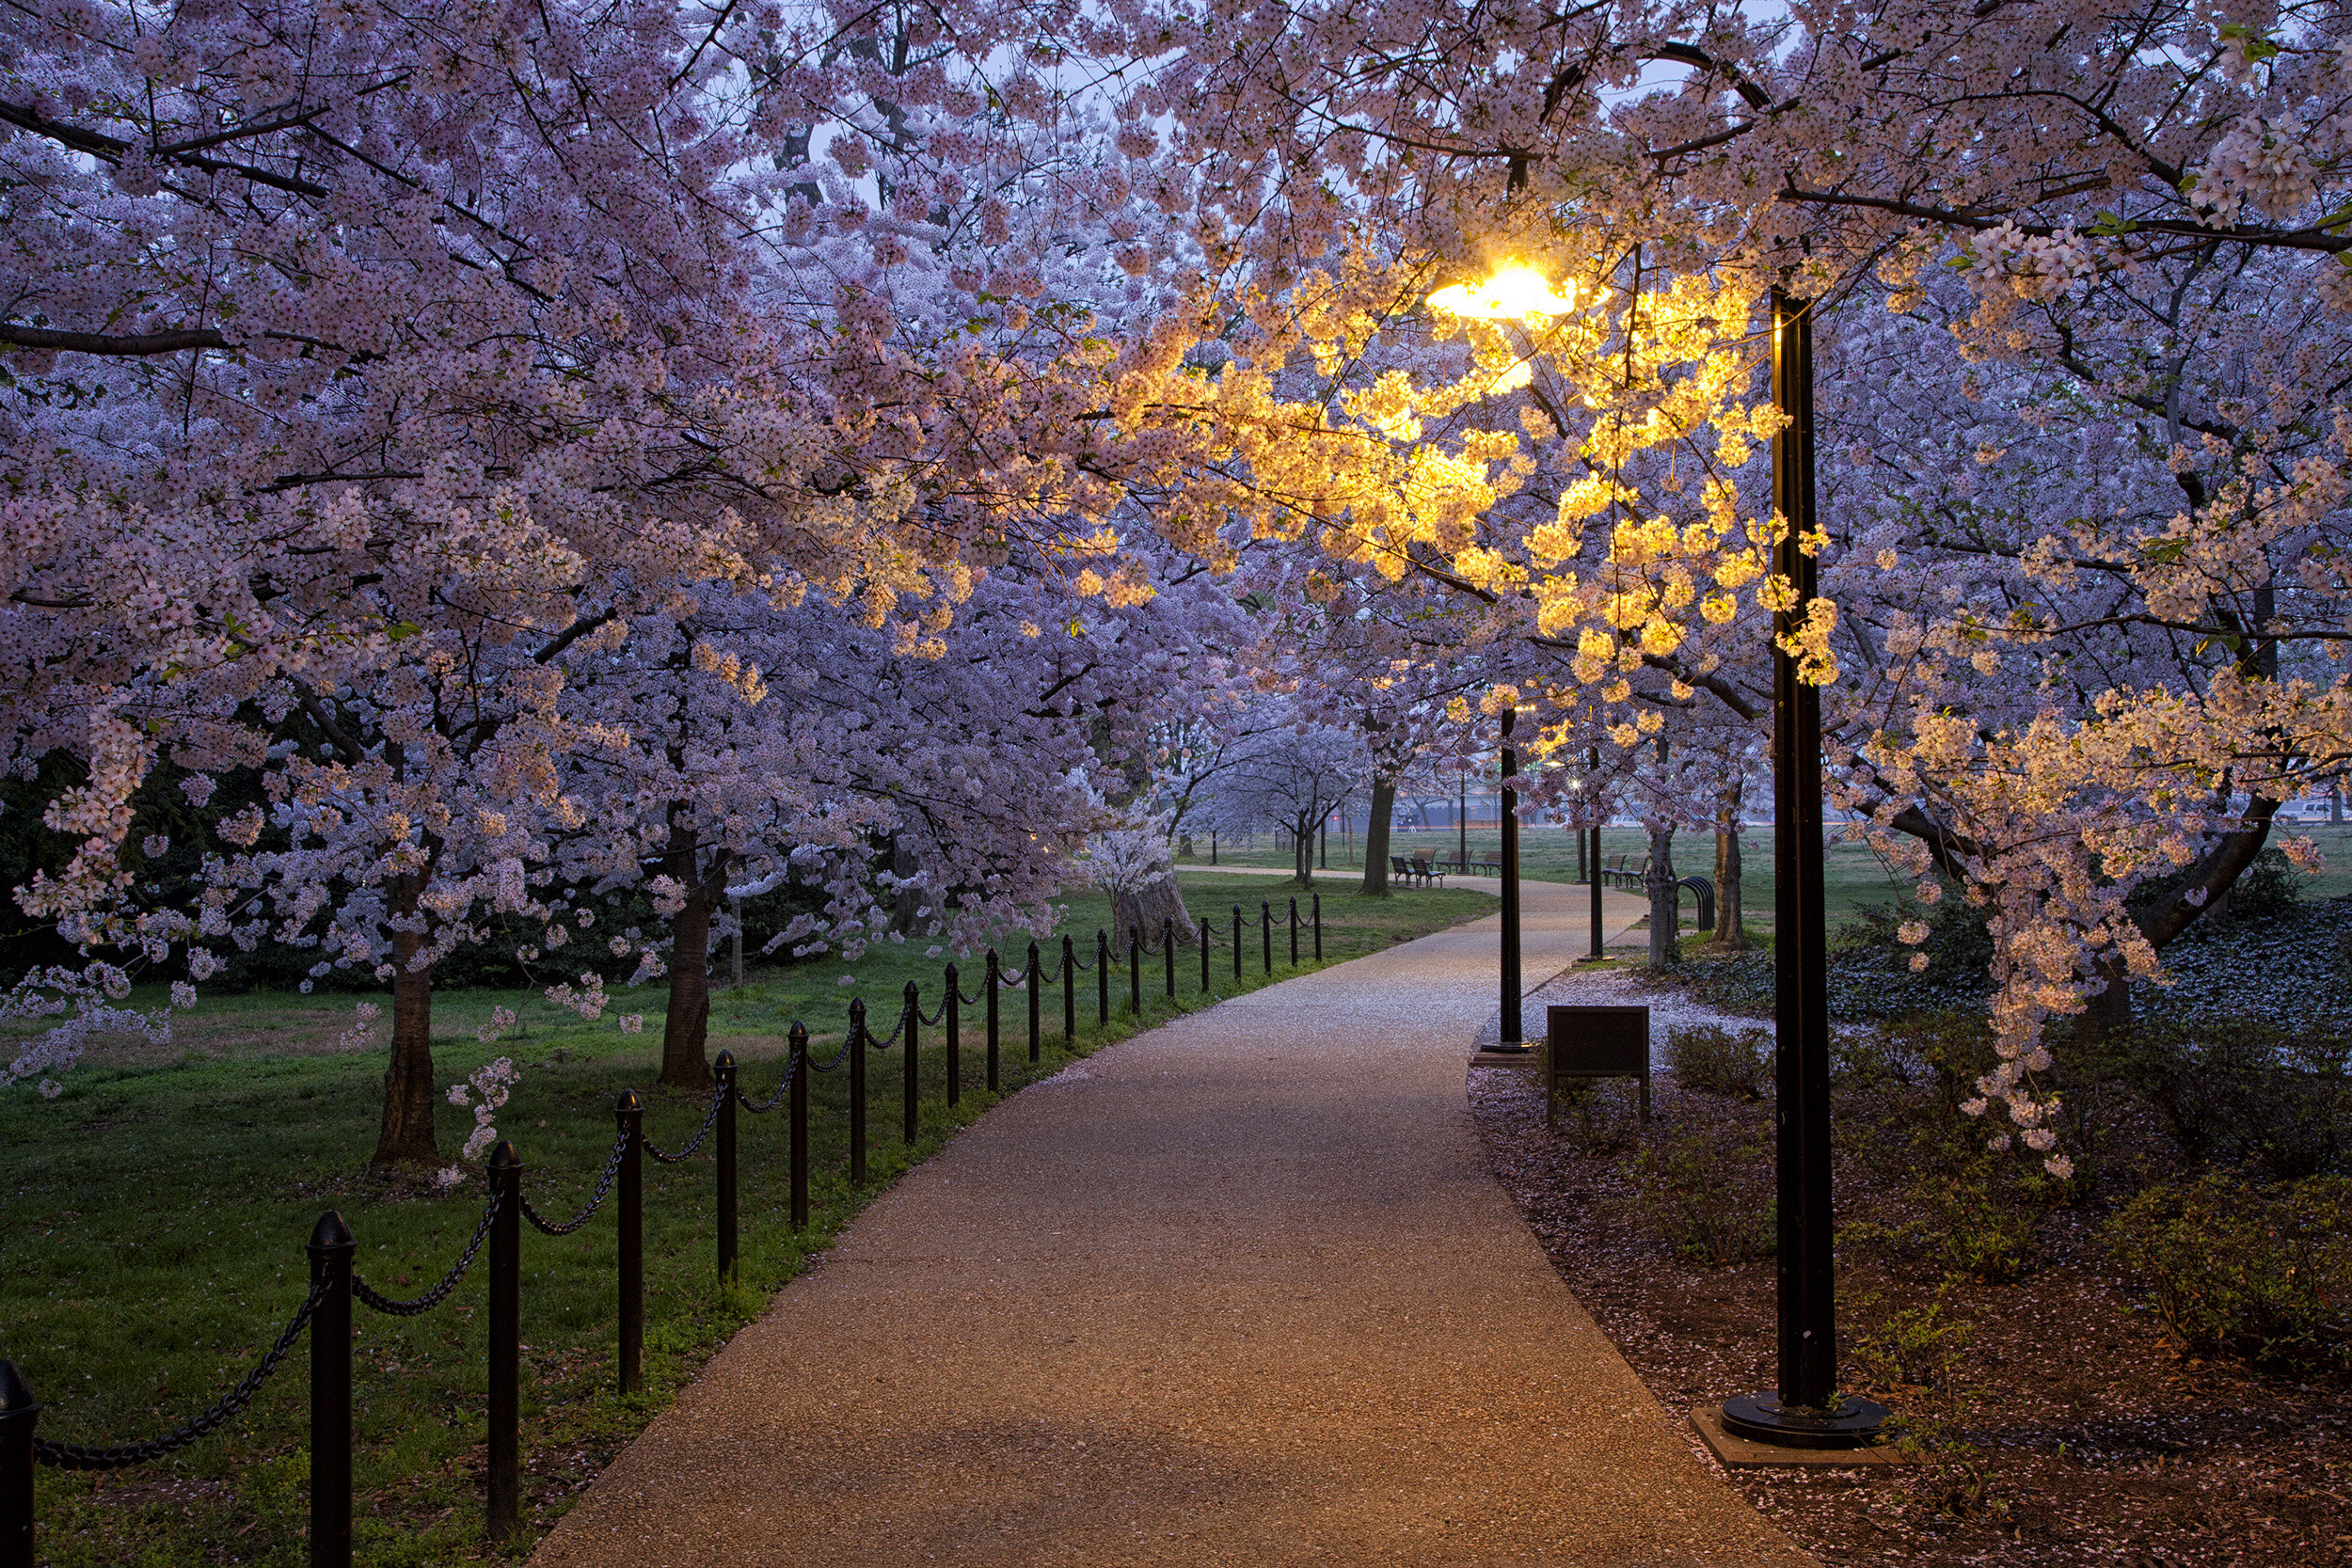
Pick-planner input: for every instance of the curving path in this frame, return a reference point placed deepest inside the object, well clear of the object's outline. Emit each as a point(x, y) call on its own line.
point(1239, 1290)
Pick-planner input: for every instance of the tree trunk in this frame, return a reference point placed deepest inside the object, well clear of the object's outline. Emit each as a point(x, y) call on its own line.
point(686, 1027)
point(1303, 840)
point(1729, 933)
point(1145, 908)
point(1663, 896)
point(406, 1137)
point(1377, 839)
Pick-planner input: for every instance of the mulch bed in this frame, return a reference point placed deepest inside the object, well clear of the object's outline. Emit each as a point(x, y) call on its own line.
point(2059, 1427)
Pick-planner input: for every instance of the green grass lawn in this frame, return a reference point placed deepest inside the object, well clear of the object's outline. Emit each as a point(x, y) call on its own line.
point(152, 1216)
point(1853, 874)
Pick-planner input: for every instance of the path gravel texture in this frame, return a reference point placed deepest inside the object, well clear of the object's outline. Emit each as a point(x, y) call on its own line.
point(1239, 1290)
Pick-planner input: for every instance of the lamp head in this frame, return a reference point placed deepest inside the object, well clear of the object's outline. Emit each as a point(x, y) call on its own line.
point(1515, 293)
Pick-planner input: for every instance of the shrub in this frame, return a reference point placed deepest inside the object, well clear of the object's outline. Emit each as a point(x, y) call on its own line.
point(1874, 1059)
point(2234, 1267)
point(1598, 1115)
point(1905, 1349)
point(1711, 1201)
point(1710, 1059)
point(1870, 964)
point(2239, 1093)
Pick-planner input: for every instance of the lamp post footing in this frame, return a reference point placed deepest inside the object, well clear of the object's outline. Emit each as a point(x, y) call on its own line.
point(1853, 1423)
point(1506, 1050)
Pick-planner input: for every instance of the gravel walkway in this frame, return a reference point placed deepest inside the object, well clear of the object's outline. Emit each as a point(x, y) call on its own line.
point(1239, 1290)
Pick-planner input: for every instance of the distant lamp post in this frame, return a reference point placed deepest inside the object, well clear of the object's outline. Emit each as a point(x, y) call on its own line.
point(1508, 1041)
point(1591, 770)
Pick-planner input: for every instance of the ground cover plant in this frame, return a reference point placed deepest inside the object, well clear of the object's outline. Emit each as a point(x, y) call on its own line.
point(2147, 1363)
point(155, 1212)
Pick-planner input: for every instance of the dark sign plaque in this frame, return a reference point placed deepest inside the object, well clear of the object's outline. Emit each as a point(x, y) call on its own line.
point(1584, 1043)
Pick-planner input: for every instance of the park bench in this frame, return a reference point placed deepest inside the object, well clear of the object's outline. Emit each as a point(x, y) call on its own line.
point(1615, 872)
point(1405, 872)
point(1426, 869)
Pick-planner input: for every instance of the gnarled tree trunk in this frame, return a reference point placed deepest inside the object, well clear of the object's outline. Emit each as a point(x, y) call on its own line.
point(1145, 908)
point(1729, 933)
point(1663, 896)
point(406, 1136)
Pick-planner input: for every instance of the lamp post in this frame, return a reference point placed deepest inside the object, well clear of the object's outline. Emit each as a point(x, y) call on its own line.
point(1591, 770)
point(1805, 1410)
point(1522, 295)
point(1508, 1041)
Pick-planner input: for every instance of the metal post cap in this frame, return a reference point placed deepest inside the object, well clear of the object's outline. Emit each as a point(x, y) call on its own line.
point(331, 1234)
point(798, 1034)
point(725, 1062)
point(504, 1155)
point(16, 1394)
point(627, 1105)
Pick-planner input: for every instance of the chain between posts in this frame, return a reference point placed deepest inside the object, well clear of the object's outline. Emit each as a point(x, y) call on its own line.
point(417, 1306)
point(763, 1107)
point(76, 1456)
point(595, 1201)
point(710, 1118)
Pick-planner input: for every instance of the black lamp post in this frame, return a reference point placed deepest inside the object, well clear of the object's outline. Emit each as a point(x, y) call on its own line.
point(1592, 776)
point(1804, 1411)
point(1508, 1041)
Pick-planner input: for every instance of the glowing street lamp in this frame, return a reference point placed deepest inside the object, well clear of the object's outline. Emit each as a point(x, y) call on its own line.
point(1515, 293)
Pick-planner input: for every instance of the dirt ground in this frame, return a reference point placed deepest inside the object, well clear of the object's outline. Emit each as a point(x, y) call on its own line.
point(2056, 1424)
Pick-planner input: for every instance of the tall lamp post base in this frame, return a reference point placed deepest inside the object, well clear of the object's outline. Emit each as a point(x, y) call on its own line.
point(1856, 1423)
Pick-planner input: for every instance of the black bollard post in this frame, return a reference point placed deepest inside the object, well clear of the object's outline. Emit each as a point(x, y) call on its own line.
point(996, 984)
point(1265, 931)
point(1069, 994)
point(955, 1039)
point(725, 1159)
point(1101, 977)
point(1134, 971)
point(799, 1071)
point(628, 1114)
point(857, 1092)
point(1236, 942)
point(505, 1351)
point(1028, 982)
point(19, 1413)
point(1318, 927)
point(330, 1249)
point(1206, 929)
point(1294, 933)
point(909, 1065)
point(1167, 952)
